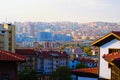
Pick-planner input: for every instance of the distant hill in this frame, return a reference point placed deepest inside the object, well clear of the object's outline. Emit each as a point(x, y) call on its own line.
point(72, 28)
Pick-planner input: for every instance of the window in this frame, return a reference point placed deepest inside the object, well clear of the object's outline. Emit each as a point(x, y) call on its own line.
point(114, 50)
point(10, 39)
point(56, 61)
point(9, 31)
point(72, 66)
point(3, 31)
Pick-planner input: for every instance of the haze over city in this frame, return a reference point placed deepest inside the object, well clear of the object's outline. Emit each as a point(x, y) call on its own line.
point(60, 10)
point(59, 39)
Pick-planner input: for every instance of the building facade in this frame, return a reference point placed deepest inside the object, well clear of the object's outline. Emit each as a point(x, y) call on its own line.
point(9, 64)
point(50, 61)
point(114, 63)
point(44, 62)
point(7, 37)
point(107, 44)
point(73, 63)
point(31, 59)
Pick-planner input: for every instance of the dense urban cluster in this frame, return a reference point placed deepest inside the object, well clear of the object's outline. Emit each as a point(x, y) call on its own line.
point(40, 49)
point(29, 32)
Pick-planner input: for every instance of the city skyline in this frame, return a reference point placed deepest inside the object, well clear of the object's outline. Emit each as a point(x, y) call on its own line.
point(60, 10)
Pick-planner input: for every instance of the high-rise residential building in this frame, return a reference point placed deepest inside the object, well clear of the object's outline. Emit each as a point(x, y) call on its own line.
point(7, 37)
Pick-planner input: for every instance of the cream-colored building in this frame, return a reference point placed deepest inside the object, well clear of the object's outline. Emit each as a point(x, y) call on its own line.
point(7, 37)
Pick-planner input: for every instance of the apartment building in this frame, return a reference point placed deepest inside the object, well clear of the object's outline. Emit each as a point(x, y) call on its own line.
point(50, 60)
point(31, 58)
point(7, 37)
point(44, 62)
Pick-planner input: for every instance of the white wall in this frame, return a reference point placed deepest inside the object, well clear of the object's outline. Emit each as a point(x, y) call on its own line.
point(104, 71)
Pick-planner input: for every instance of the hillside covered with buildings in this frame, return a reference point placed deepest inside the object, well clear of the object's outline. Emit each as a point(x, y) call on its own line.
point(62, 31)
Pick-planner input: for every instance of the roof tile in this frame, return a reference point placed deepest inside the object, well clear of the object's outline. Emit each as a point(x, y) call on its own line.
point(112, 56)
point(87, 70)
point(9, 56)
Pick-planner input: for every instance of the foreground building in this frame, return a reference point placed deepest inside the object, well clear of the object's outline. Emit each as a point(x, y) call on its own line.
point(8, 65)
point(7, 37)
point(114, 62)
point(109, 45)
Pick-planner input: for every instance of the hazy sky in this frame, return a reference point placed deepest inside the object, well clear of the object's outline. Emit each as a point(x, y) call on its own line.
point(60, 10)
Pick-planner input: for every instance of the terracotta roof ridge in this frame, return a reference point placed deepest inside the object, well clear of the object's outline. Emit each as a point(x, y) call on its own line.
point(112, 56)
point(14, 55)
point(93, 70)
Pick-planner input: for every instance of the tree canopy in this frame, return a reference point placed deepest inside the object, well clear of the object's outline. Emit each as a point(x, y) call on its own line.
point(27, 74)
point(88, 50)
point(79, 66)
point(62, 73)
point(61, 48)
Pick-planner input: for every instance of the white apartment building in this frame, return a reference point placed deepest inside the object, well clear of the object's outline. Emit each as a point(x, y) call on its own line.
point(49, 61)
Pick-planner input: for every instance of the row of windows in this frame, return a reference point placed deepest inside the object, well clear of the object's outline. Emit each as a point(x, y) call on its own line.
point(114, 50)
point(48, 67)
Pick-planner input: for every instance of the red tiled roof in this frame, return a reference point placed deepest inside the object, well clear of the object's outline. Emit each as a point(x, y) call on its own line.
point(63, 55)
point(87, 70)
point(112, 56)
point(47, 54)
point(25, 51)
point(9, 56)
point(87, 60)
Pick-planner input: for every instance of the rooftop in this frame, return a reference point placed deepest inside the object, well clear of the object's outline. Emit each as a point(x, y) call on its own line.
point(25, 51)
point(108, 37)
point(48, 54)
point(112, 56)
point(9, 56)
point(86, 72)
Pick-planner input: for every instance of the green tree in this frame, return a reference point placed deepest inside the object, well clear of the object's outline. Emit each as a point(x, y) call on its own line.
point(78, 45)
point(61, 48)
point(82, 46)
point(88, 50)
point(62, 73)
point(66, 45)
point(27, 74)
point(79, 66)
point(40, 46)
